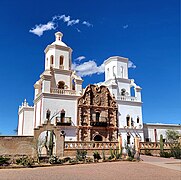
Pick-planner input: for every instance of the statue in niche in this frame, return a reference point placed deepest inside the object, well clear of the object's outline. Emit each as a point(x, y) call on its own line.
point(48, 114)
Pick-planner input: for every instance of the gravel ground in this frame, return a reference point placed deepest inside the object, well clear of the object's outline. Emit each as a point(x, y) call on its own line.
point(111, 171)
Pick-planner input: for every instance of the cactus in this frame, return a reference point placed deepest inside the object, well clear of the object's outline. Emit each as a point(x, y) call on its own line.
point(161, 143)
point(51, 143)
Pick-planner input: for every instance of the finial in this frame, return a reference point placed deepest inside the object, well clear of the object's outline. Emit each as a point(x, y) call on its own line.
point(58, 36)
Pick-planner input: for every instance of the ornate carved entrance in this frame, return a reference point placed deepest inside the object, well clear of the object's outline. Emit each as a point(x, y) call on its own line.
point(97, 115)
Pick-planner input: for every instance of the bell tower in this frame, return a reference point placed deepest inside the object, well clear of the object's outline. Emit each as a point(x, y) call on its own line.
point(58, 54)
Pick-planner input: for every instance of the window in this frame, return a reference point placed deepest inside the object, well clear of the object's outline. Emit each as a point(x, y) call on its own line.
point(121, 70)
point(97, 116)
point(51, 60)
point(62, 115)
point(132, 122)
point(114, 69)
point(98, 138)
point(73, 85)
point(128, 139)
point(138, 120)
point(128, 120)
point(107, 72)
point(61, 85)
point(61, 60)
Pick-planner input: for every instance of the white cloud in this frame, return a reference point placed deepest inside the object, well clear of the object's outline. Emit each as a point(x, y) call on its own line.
point(39, 29)
point(66, 19)
point(125, 26)
point(131, 65)
point(80, 58)
point(87, 23)
point(72, 22)
point(88, 68)
point(78, 30)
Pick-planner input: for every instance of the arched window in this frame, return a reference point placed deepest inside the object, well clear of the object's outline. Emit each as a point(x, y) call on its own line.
point(128, 120)
point(73, 84)
point(51, 60)
point(138, 119)
point(97, 116)
point(61, 85)
point(98, 138)
point(61, 60)
point(128, 138)
point(132, 91)
point(121, 70)
point(47, 62)
point(62, 115)
point(114, 70)
point(107, 72)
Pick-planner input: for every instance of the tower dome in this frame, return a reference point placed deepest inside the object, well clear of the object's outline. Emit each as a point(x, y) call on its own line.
point(58, 39)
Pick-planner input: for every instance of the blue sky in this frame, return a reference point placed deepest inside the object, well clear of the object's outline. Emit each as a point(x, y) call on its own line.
point(147, 32)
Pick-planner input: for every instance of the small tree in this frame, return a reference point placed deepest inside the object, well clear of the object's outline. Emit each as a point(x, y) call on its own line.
point(172, 135)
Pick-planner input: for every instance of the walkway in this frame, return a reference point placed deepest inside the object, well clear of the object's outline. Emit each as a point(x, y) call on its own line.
point(169, 163)
point(100, 171)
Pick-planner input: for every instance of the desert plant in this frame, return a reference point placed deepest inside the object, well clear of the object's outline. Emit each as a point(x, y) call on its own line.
point(172, 135)
point(4, 161)
point(176, 151)
point(148, 152)
point(165, 154)
point(115, 154)
point(81, 155)
point(96, 156)
point(161, 143)
point(131, 152)
point(25, 161)
point(55, 160)
point(103, 155)
point(51, 143)
point(66, 159)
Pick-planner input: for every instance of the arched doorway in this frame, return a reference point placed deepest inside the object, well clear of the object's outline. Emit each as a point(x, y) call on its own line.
point(98, 138)
point(46, 143)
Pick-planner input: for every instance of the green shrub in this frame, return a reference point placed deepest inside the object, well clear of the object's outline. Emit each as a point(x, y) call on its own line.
point(165, 154)
point(96, 156)
point(55, 160)
point(148, 152)
point(66, 159)
point(103, 155)
point(81, 155)
point(131, 151)
point(25, 161)
point(176, 151)
point(115, 154)
point(89, 159)
point(4, 161)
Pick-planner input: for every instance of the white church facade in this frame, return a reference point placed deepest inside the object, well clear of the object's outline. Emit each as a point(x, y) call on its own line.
point(59, 90)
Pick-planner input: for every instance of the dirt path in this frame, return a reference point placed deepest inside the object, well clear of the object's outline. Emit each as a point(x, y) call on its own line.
point(111, 171)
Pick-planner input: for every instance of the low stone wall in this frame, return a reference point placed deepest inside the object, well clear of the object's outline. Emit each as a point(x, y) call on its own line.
point(154, 147)
point(71, 147)
point(17, 145)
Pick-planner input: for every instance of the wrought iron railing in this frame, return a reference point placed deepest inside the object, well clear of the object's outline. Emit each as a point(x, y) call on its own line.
point(101, 121)
point(63, 121)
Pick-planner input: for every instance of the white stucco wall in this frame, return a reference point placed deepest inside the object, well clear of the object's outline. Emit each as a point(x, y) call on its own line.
point(57, 104)
point(56, 54)
point(25, 122)
point(132, 111)
point(149, 130)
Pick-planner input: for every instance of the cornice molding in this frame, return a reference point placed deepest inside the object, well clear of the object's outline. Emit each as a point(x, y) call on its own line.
point(55, 46)
point(132, 103)
point(56, 96)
